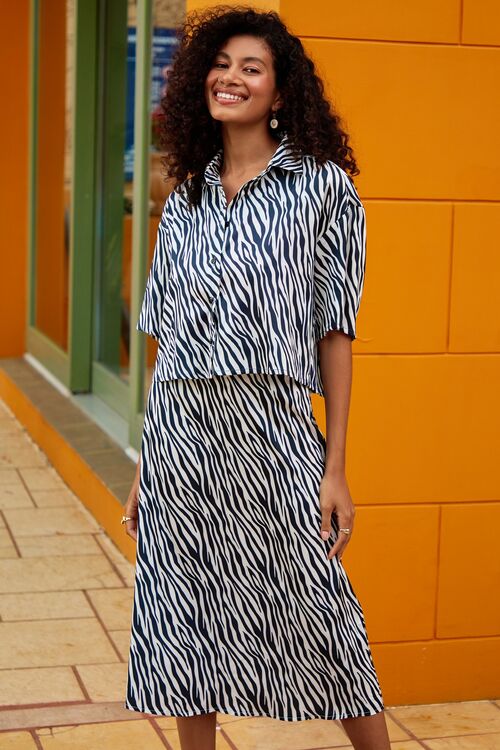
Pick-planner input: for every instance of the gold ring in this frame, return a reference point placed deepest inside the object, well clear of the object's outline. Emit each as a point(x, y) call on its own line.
point(126, 518)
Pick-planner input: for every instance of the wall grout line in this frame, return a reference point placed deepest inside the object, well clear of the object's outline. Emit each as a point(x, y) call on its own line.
point(399, 42)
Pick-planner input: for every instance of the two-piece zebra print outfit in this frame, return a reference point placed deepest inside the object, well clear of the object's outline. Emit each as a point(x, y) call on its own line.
point(237, 608)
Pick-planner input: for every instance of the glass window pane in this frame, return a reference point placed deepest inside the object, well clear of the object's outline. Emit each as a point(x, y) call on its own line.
point(166, 16)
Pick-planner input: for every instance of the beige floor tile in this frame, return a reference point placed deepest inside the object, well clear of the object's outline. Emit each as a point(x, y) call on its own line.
point(43, 685)
point(121, 639)
point(7, 548)
point(396, 733)
point(259, 732)
point(15, 496)
point(43, 521)
point(54, 498)
point(5, 412)
point(22, 458)
point(42, 479)
point(56, 574)
point(11, 428)
point(104, 682)
point(19, 439)
point(109, 736)
point(54, 643)
point(127, 572)
point(114, 607)
point(52, 605)
point(17, 741)
point(221, 743)
point(168, 722)
point(114, 554)
point(9, 477)
point(124, 567)
point(70, 544)
point(447, 719)
point(8, 418)
point(66, 713)
point(226, 718)
point(476, 742)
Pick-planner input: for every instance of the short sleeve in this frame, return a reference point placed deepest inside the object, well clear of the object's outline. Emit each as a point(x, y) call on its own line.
point(339, 272)
point(152, 304)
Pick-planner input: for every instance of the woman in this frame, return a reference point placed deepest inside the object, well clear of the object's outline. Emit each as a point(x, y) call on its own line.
point(240, 507)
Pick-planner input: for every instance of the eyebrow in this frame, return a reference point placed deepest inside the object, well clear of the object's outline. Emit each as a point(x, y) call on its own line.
point(245, 59)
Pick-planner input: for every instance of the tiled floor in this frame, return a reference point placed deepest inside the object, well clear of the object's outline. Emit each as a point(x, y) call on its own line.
point(65, 605)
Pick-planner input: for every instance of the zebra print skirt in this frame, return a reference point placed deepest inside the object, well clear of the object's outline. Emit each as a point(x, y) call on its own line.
point(236, 607)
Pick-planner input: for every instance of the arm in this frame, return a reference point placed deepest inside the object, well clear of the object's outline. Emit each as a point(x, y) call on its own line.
point(335, 355)
point(340, 263)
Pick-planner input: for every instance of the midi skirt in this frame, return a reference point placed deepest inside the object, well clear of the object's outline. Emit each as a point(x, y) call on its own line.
point(236, 607)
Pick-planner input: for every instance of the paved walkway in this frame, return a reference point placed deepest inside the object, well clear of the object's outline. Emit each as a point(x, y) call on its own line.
point(65, 607)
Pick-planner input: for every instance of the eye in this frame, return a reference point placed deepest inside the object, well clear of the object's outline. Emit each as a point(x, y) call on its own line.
point(216, 65)
point(253, 70)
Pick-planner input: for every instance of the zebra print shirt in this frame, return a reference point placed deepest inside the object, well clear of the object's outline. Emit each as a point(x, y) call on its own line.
point(253, 286)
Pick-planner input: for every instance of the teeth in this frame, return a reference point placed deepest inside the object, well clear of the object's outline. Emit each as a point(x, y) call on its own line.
point(223, 95)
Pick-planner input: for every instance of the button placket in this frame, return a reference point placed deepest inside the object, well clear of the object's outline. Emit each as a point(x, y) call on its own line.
point(215, 262)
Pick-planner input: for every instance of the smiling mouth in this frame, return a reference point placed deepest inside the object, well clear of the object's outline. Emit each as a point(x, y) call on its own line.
point(226, 97)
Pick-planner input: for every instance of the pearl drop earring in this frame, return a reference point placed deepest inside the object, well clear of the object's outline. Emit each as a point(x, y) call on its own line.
point(274, 122)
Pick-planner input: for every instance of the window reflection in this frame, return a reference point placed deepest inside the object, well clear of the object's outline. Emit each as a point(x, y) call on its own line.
point(114, 325)
point(54, 168)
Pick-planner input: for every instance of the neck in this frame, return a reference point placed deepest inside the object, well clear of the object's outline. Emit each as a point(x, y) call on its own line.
point(246, 149)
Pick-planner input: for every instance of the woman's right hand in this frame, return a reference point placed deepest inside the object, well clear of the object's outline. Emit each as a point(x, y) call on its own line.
point(132, 503)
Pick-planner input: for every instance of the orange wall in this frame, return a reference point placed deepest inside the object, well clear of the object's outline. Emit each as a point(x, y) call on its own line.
point(14, 180)
point(416, 91)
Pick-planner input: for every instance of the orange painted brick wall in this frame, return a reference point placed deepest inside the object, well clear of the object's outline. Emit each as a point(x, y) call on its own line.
point(14, 18)
point(416, 92)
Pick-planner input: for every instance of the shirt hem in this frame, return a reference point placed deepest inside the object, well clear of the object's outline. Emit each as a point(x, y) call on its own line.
point(158, 377)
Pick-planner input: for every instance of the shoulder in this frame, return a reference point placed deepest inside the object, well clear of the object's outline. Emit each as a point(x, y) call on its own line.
point(335, 187)
point(176, 204)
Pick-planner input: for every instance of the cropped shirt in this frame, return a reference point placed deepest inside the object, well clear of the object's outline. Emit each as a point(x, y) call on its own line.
point(253, 285)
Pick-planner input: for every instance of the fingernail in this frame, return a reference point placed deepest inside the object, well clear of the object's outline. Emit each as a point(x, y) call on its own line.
point(325, 534)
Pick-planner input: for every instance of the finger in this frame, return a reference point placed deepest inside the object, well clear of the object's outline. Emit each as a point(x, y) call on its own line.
point(337, 548)
point(131, 527)
point(326, 522)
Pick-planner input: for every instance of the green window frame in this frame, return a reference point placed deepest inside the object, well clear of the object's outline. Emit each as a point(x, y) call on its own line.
point(75, 369)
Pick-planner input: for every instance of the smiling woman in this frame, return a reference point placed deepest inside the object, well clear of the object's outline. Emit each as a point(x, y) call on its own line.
point(241, 604)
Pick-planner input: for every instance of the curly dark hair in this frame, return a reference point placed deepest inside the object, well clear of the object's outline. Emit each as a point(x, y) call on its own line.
point(190, 136)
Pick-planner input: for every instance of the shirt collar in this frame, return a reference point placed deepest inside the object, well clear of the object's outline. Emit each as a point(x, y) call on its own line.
point(282, 157)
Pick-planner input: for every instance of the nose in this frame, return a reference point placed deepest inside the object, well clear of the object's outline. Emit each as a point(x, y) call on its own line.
point(225, 77)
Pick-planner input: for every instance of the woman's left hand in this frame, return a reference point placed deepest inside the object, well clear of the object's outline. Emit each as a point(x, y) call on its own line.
point(334, 497)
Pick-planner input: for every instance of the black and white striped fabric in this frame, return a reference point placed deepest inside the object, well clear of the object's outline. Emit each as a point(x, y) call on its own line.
point(251, 287)
point(237, 608)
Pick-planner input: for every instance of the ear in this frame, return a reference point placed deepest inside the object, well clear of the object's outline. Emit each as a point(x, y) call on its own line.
point(278, 102)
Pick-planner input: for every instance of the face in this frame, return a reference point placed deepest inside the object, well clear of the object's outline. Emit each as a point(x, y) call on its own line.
point(242, 67)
